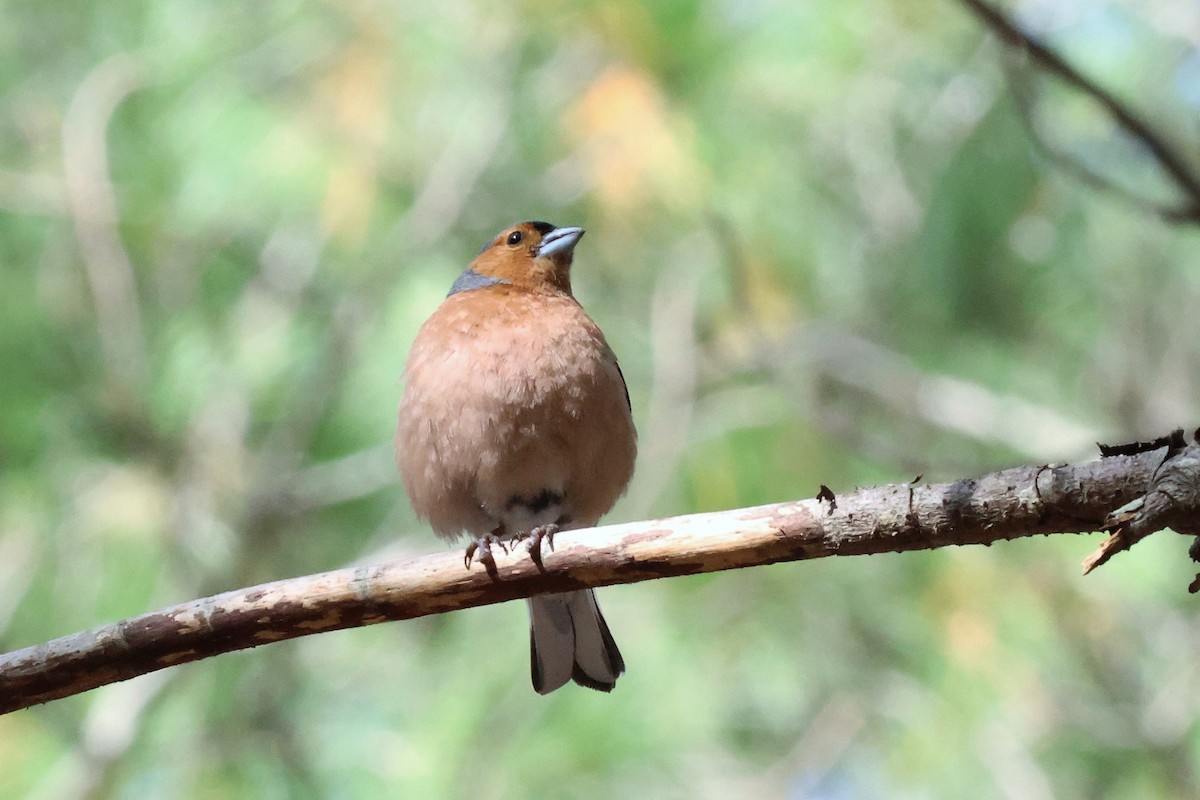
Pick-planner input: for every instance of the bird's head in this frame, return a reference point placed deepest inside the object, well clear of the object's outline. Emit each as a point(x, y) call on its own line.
point(530, 254)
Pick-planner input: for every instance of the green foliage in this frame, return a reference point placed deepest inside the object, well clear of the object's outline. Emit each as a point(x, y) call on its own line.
point(826, 252)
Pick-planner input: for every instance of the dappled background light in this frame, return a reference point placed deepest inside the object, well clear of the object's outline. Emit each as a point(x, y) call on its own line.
point(832, 243)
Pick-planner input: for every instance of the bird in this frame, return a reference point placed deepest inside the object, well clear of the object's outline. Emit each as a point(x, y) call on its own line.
point(515, 423)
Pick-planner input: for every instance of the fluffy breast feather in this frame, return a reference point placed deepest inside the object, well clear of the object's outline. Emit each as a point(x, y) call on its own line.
point(510, 393)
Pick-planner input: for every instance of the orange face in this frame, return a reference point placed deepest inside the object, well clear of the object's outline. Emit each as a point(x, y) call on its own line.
point(530, 254)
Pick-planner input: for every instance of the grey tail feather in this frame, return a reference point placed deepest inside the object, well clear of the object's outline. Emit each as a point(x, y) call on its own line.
point(571, 626)
point(614, 659)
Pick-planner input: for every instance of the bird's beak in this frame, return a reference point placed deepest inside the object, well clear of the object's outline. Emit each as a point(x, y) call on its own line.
point(560, 241)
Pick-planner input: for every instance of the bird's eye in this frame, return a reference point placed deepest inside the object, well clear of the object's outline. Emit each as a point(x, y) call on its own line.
point(515, 237)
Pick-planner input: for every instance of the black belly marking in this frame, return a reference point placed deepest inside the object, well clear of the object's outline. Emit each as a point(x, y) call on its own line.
point(535, 504)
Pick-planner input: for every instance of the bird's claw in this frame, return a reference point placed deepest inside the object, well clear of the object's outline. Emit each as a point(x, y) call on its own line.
point(542, 533)
point(483, 548)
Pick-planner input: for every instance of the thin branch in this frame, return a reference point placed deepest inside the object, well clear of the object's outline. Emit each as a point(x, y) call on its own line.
point(1015, 503)
point(1071, 164)
point(1164, 152)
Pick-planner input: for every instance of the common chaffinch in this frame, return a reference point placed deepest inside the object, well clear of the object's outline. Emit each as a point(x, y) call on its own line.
point(515, 423)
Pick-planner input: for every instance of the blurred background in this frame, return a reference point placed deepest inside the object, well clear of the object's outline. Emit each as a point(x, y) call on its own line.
point(831, 242)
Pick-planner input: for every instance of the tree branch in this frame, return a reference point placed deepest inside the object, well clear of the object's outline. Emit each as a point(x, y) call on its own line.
point(1172, 500)
point(1024, 501)
point(1181, 172)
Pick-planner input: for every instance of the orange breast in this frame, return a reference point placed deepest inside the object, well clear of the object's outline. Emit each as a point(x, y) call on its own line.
point(510, 393)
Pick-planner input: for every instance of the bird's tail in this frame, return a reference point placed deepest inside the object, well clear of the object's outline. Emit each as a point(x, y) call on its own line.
point(569, 640)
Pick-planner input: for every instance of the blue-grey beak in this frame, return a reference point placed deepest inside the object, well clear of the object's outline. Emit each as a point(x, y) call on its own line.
point(560, 241)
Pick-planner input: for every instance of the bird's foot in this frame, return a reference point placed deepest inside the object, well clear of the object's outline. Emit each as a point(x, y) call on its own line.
point(481, 548)
point(542, 533)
